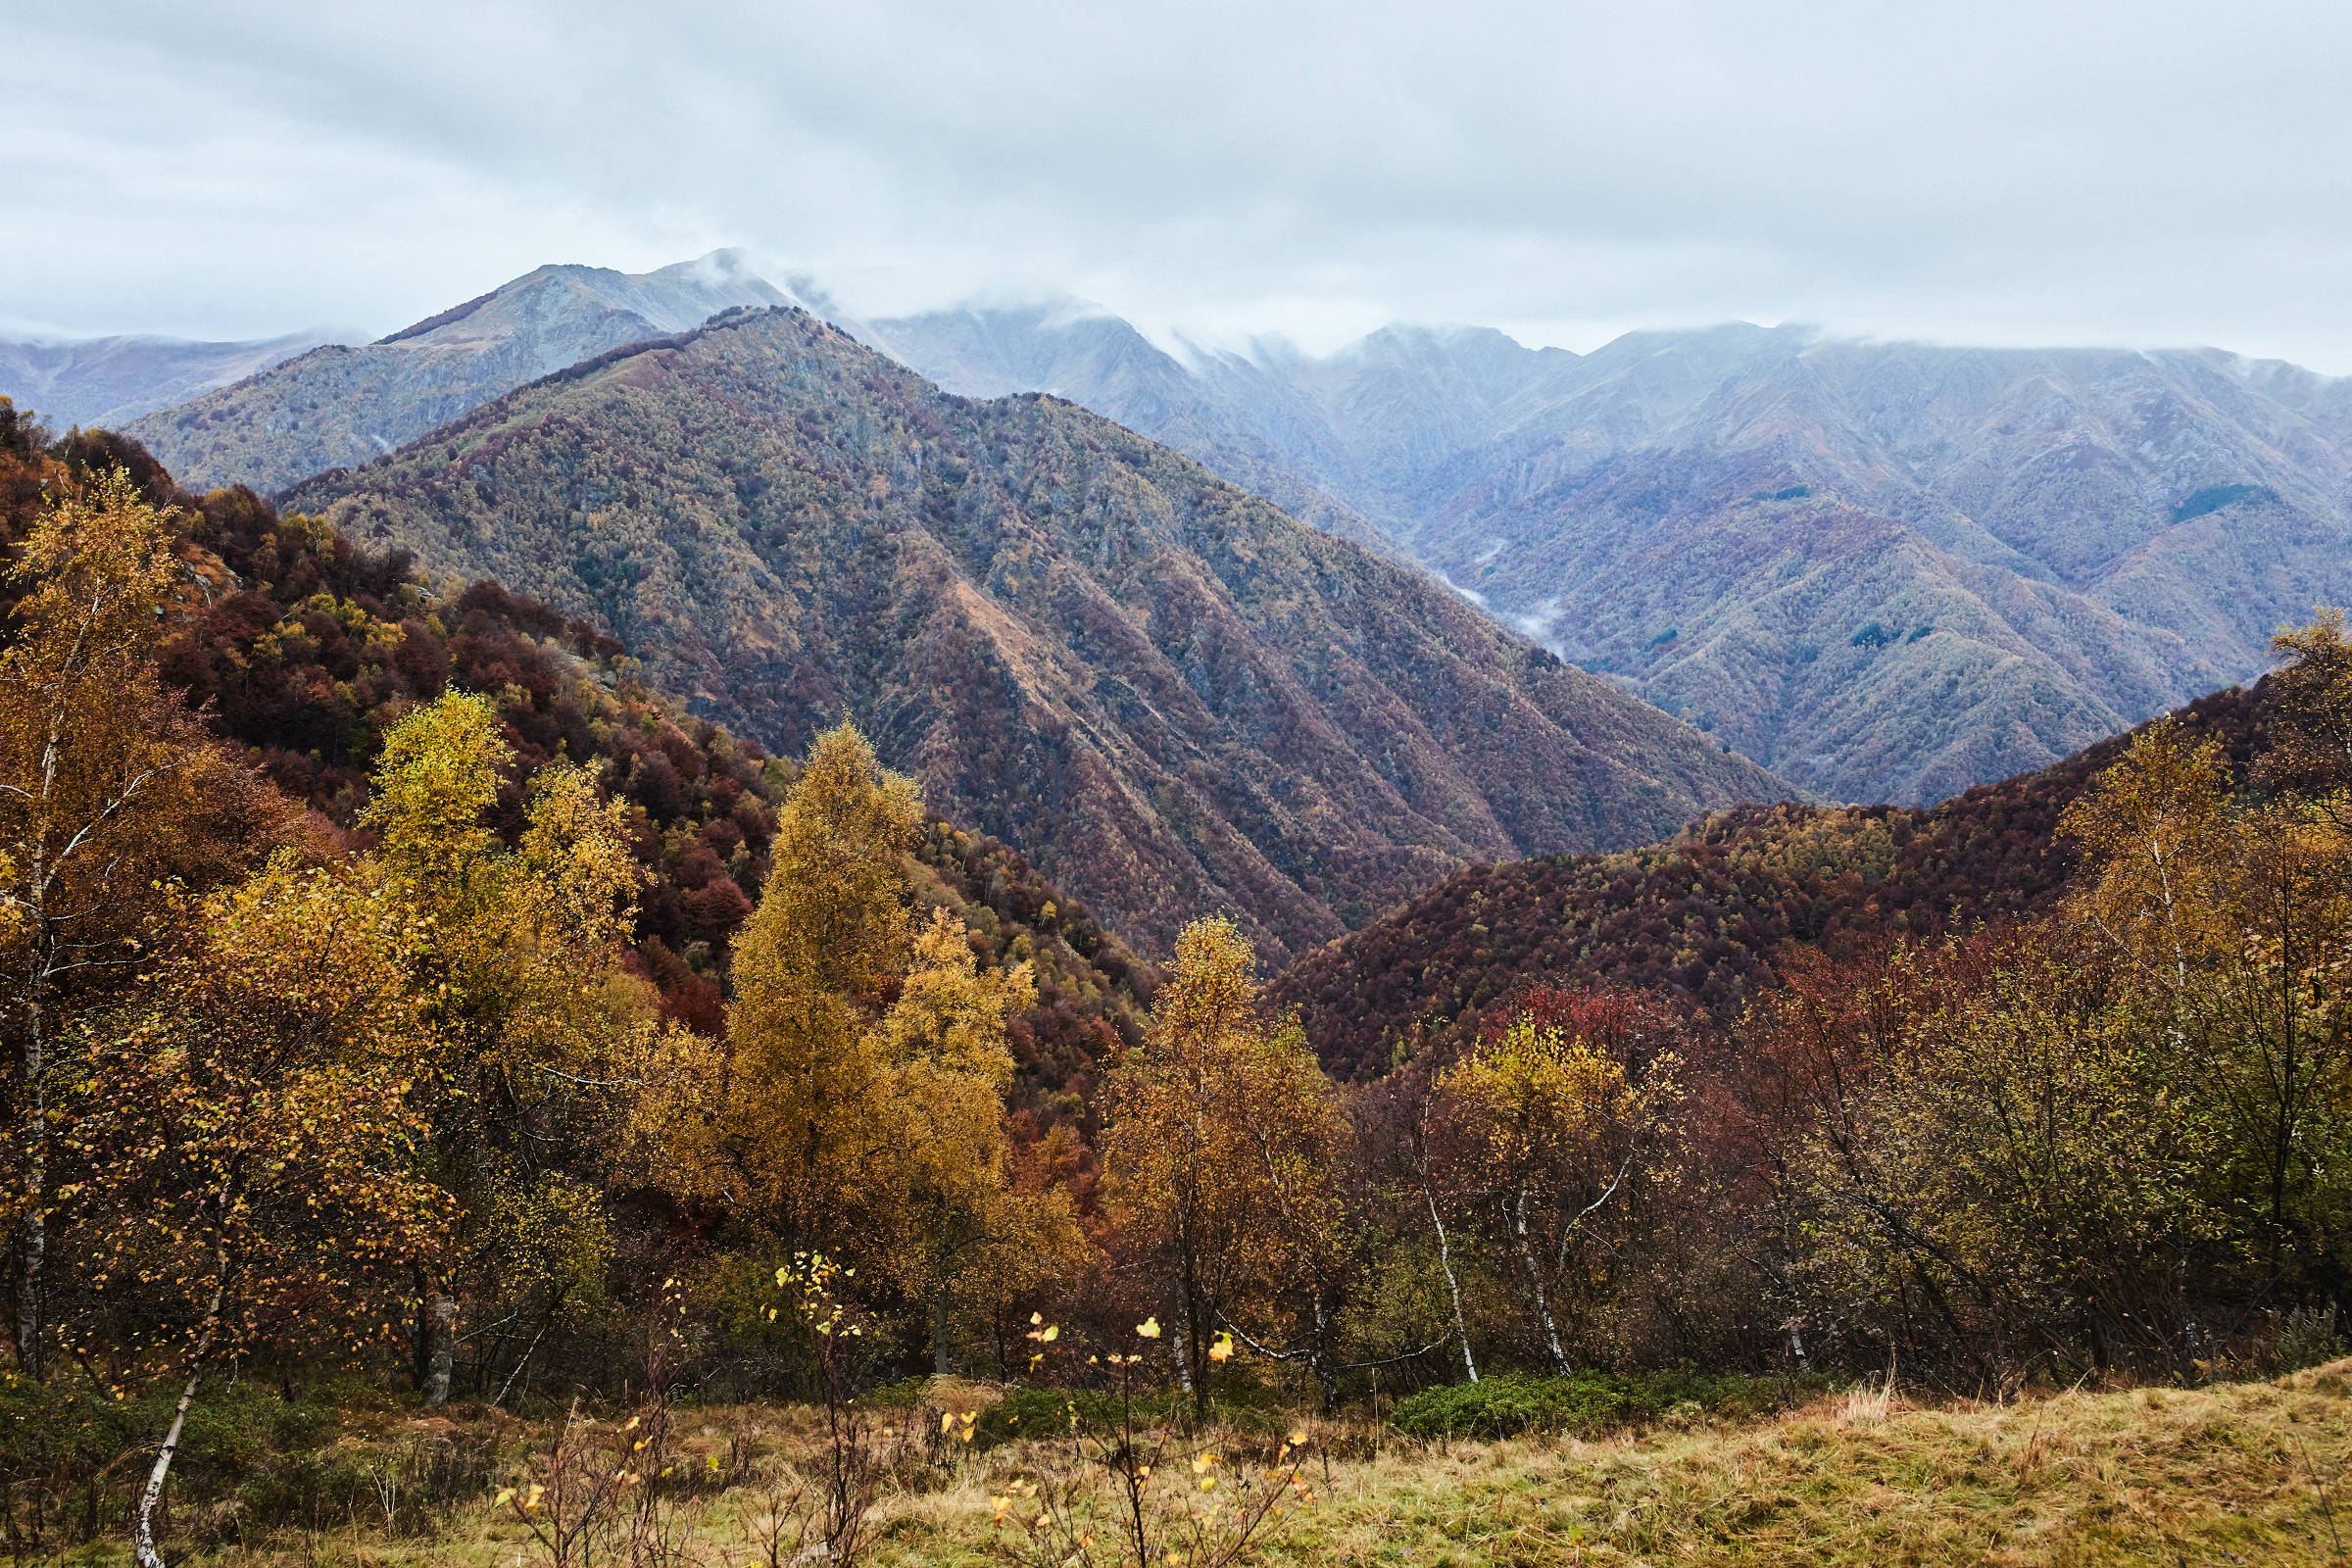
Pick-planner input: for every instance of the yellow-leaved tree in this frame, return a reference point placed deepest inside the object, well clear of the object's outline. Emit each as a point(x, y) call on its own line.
point(541, 1034)
point(1220, 1140)
point(2310, 756)
point(1563, 1115)
point(2227, 914)
point(250, 1179)
point(110, 791)
point(856, 1108)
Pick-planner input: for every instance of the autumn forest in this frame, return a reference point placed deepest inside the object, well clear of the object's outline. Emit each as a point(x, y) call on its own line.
point(458, 1096)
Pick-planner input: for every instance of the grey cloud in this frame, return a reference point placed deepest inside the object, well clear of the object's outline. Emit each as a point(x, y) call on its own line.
point(1998, 173)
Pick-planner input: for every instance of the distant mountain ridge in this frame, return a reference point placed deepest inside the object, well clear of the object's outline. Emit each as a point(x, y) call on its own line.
point(1887, 571)
point(110, 381)
point(338, 407)
point(1101, 363)
point(1167, 693)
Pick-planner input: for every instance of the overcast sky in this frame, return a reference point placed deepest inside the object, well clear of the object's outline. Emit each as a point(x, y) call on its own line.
point(2146, 173)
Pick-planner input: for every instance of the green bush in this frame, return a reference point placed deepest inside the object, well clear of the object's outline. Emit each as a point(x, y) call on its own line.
point(1046, 1414)
point(1585, 1403)
point(906, 1394)
point(1026, 1414)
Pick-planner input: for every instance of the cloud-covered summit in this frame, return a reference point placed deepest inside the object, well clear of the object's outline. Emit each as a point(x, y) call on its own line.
point(2001, 173)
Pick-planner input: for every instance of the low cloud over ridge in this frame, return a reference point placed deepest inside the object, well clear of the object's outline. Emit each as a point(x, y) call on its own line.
point(2005, 173)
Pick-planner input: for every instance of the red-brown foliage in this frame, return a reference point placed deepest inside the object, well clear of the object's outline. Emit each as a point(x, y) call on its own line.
point(1709, 915)
point(302, 647)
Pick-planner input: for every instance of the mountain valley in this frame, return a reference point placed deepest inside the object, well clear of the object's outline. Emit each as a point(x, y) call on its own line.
point(1887, 571)
point(1884, 571)
point(1166, 693)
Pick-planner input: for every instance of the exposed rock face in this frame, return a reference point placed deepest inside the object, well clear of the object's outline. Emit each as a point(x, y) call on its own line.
point(111, 380)
point(1167, 693)
point(1884, 571)
point(337, 406)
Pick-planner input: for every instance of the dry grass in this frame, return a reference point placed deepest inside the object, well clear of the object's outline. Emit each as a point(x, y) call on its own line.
point(2234, 1472)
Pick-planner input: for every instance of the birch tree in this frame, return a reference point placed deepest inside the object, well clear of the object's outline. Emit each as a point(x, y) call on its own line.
point(108, 789)
point(248, 1139)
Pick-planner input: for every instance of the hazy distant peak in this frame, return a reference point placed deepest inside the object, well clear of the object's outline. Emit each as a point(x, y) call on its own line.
point(1410, 336)
point(2274, 376)
point(1722, 337)
point(84, 343)
point(298, 419)
point(729, 264)
point(1051, 310)
point(110, 380)
point(1201, 357)
point(1271, 351)
point(988, 347)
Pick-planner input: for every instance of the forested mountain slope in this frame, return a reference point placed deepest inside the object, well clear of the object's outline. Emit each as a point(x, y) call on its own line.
point(1168, 694)
point(304, 648)
point(1708, 915)
point(345, 405)
point(1884, 571)
point(1222, 410)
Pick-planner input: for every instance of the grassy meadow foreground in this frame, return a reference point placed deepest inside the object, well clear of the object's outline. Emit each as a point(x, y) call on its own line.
point(2244, 1472)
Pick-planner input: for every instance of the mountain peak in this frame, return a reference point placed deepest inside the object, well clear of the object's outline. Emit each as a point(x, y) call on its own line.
point(298, 419)
point(1170, 692)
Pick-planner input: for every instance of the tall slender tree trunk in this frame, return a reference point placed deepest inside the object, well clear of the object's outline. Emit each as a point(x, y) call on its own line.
point(33, 1243)
point(143, 1549)
point(1453, 1287)
point(1535, 1281)
point(419, 1329)
point(943, 1259)
point(1192, 1328)
point(33, 1282)
point(1318, 1357)
point(2282, 1146)
point(441, 1348)
point(1182, 1328)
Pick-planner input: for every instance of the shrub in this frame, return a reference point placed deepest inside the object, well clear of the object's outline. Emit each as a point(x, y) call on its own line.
point(1025, 1412)
point(2305, 1337)
point(1035, 1414)
point(1585, 1403)
point(1505, 1406)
